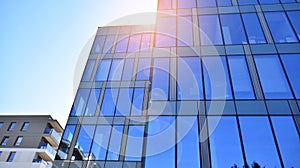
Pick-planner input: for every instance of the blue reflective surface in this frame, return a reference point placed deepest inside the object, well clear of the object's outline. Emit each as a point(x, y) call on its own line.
point(145, 44)
point(98, 45)
point(160, 79)
point(124, 102)
point(166, 32)
point(224, 2)
point(216, 77)
point(69, 133)
point(272, 77)
point(115, 143)
point(268, 1)
point(103, 69)
point(84, 141)
point(253, 28)
point(280, 27)
point(188, 147)
point(206, 3)
point(134, 146)
point(185, 31)
point(288, 140)
point(189, 69)
point(294, 18)
point(291, 64)
point(116, 69)
point(210, 32)
point(109, 41)
point(258, 141)
point(160, 150)
point(241, 82)
point(165, 4)
point(224, 140)
point(128, 69)
point(143, 70)
point(247, 2)
point(100, 142)
point(134, 43)
point(122, 43)
point(109, 102)
point(186, 3)
point(88, 70)
point(80, 102)
point(93, 101)
point(233, 30)
point(138, 100)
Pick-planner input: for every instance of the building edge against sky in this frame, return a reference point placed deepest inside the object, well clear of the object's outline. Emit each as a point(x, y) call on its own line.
point(211, 84)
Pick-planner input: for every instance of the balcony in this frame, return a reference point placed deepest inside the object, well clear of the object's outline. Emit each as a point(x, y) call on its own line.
point(52, 136)
point(46, 152)
point(40, 163)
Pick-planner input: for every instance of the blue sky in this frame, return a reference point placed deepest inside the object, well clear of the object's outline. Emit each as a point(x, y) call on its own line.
point(40, 42)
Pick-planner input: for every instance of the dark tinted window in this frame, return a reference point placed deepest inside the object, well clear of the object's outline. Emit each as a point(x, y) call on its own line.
point(253, 28)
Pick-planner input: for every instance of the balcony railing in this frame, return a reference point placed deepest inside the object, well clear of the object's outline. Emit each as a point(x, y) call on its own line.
point(53, 133)
point(42, 162)
point(48, 147)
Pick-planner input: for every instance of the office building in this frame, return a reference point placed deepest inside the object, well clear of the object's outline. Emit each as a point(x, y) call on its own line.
point(214, 83)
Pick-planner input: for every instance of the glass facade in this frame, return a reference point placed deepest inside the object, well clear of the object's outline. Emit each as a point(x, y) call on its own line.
point(215, 83)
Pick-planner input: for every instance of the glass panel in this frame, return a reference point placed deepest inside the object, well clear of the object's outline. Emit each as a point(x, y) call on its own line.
point(128, 69)
point(253, 28)
point(160, 79)
point(188, 145)
point(166, 32)
point(186, 3)
point(115, 143)
point(145, 42)
point(103, 69)
point(83, 143)
point(11, 157)
point(138, 99)
point(189, 69)
point(224, 141)
point(1, 124)
point(134, 145)
point(134, 43)
point(258, 141)
point(165, 4)
point(122, 43)
point(100, 143)
point(233, 30)
point(88, 70)
point(185, 31)
point(294, 18)
point(210, 32)
point(116, 70)
point(160, 150)
point(18, 141)
point(109, 42)
point(93, 101)
point(12, 126)
point(240, 78)
point(247, 2)
point(206, 3)
point(216, 78)
point(66, 141)
point(268, 1)
point(291, 64)
point(24, 127)
point(272, 78)
point(287, 1)
point(124, 102)
point(109, 102)
point(224, 3)
point(288, 140)
point(280, 27)
point(143, 70)
point(98, 45)
point(80, 102)
point(4, 141)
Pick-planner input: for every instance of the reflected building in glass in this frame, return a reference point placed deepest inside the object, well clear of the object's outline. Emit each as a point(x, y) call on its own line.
point(214, 83)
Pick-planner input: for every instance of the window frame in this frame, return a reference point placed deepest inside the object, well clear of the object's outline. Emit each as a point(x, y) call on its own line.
point(18, 141)
point(23, 126)
point(10, 128)
point(3, 140)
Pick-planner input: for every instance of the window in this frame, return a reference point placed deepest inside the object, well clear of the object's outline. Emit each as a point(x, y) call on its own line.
point(83, 143)
point(143, 70)
point(1, 124)
point(100, 143)
point(241, 82)
point(166, 32)
point(258, 141)
point(280, 27)
point(288, 140)
point(210, 32)
point(66, 141)
point(98, 45)
point(109, 42)
point(206, 3)
point(109, 101)
point(268, 1)
point(224, 2)
point(4, 141)
point(291, 64)
point(233, 30)
point(294, 18)
point(11, 157)
point(19, 141)
point(272, 77)
point(216, 78)
point(128, 69)
point(80, 102)
point(134, 146)
point(134, 43)
point(185, 31)
point(247, 2)
point(115, 143)
point(253, 28)
point(189, 69)
point(0, 153)
point(186, 3)
point(287, 1)
point(188, 154)
point(160, 79)
point(145, 42)
point(225, 144)
point(122, 43)
point(12, 126)
point(88, 70)
point(138, 99)
point(116, 69)
point(103, 69)
point(124, 102)
point(93, 102)
point(25, 126)
point(165, 4)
